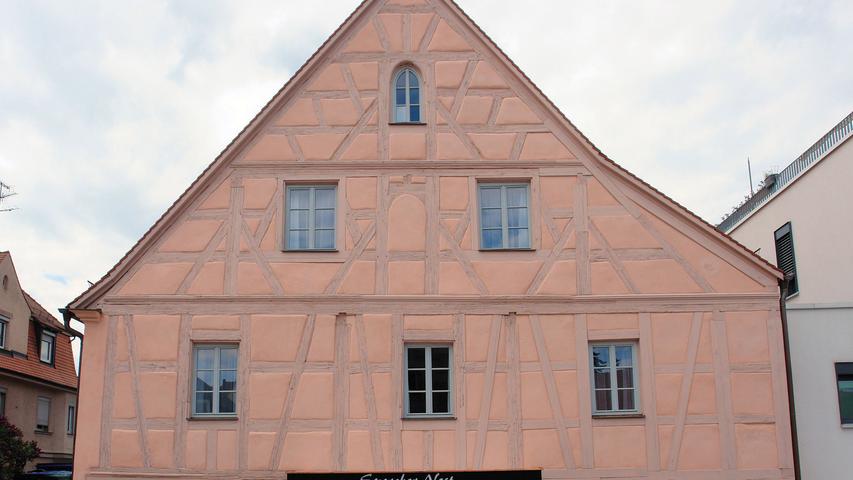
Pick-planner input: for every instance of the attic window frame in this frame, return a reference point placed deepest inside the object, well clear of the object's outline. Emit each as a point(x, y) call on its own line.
point(52, 350)
point(407, 105)
point(783, 232)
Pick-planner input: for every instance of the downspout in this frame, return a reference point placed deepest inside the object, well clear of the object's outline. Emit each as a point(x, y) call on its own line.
point(783, 289)
point(67, 315)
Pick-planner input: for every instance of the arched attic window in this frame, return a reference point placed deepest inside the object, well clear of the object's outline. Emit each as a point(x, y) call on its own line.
point(407, 96)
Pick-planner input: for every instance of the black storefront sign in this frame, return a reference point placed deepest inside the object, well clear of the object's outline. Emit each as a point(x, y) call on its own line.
point(479, 475)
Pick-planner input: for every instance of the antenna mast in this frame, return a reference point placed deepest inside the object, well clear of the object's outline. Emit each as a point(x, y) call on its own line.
point(6, 192)
point(749, 167)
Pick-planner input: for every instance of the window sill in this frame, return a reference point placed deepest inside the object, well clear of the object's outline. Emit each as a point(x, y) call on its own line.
point(430, 417)
point(793, 295)
point(41, 432)
point(311, 250)
point(406, 123)
point(213, 418)
point(507, 249)
point(617, 415)
point(847, 426)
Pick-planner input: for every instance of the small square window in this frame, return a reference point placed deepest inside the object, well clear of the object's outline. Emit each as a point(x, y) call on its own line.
point(614, 378)
point(47, 346)
point(310, 217)
point(428, 381)
point(214, 380)
point(844, 382)
point(504, 216)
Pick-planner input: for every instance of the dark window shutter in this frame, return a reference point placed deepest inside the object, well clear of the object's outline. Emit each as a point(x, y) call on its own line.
point(785, 258)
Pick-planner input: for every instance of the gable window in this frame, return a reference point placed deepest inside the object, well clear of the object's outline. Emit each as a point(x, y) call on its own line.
point(310, 223)
point(47, 346)
point(69, 423)
point(428, 381)
point(407, 97)
point(844, 382)
point(4, 324)
point(614, 378)
point(43, 415)
point(504, 216)
point(215, 380)
point(785, 258)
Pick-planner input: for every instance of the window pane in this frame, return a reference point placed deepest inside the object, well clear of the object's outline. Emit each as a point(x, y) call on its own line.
point(204, 402)
point(324, 219)
point(204, 380)
point(440, 357)
point(417, 380)
point(491, 217)
point(516, 196)
point(402, 114)
point(297, 240)
point(298, 219)
point(300, 198)
point(401, 96)
point(228, 380)
point(413, 79)
point(440, 380)
point(519, 238)
point(490, 197)
point(416, 358)
point(324, 239)
point(227, 403)
point(517, 217)
point(417, 403)
point(204, 358)
point(440, 403)
point(602, 401)
point(414, 114)
point(626, 399)
point(602, 378)
point(492, 239)
point(324, 198)
point(601, 356)
point(625, 377)
point(624, 356)
point(845, 397)
point(228, 358)
point(414, 96)
point(401, 81)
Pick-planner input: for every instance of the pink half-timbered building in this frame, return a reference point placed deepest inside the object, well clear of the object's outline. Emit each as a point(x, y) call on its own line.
point(411, 261)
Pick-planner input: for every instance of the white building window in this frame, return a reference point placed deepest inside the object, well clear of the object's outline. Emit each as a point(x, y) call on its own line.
point(504, 216)
point(43, 415)
point(47, 346)
point(614, 378)
point(4, 324)
point(407, 96)
point(70, 421)
point(215, 380)
point(310, 221)
point(429, 383)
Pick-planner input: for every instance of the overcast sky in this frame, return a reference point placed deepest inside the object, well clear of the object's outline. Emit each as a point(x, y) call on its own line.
point(108, 110)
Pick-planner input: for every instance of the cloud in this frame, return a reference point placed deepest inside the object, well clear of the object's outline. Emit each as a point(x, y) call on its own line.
point(108, 110)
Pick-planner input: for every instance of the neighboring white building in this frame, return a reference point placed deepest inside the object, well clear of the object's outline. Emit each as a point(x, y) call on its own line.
point(802, 221)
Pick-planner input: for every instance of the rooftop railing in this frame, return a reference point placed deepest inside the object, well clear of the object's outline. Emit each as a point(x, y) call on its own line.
point(775, 182)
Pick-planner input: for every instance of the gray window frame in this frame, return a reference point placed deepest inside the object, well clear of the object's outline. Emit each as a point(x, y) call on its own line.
point(614, 397)
point(504, 206)
point(405, 70)
point(843, 373)
point(71, 420)
point(428, 385)
point(51, 351)
point(4, 327)
point(49, 401)
point(217, 348)
point(312, 230)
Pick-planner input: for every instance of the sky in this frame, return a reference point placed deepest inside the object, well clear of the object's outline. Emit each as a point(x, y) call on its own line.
point(110, 109)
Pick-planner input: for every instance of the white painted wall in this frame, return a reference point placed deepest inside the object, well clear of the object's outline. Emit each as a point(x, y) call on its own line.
point(819, 205)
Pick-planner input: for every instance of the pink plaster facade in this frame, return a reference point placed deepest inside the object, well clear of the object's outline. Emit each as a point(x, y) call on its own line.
point(321, 334)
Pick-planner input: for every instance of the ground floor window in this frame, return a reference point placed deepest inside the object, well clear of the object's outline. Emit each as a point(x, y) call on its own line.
point(43, 415)
point(844, 380)
point(614, 377)
point(428, 380)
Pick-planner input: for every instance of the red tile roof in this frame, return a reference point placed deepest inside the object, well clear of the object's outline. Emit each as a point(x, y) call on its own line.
point(3, 256)
point(40, 314)
point(61, 372)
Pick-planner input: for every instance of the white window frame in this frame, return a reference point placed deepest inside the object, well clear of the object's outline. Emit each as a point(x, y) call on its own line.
point(312, 230)
point(46, 426)
point(408, 104)
point(4, 327)
point(71, 421)
point(504, 206)
point(428, 385)
point(217, 348)
point(614, 397)
point(51, 352)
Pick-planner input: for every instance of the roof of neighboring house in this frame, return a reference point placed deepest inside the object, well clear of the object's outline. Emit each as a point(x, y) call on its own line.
point(3, 256)
point(40, 314)
point(62, 371)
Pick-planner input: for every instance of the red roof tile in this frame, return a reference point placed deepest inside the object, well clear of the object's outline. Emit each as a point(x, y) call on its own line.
point(41, 314)
point(62, 371)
